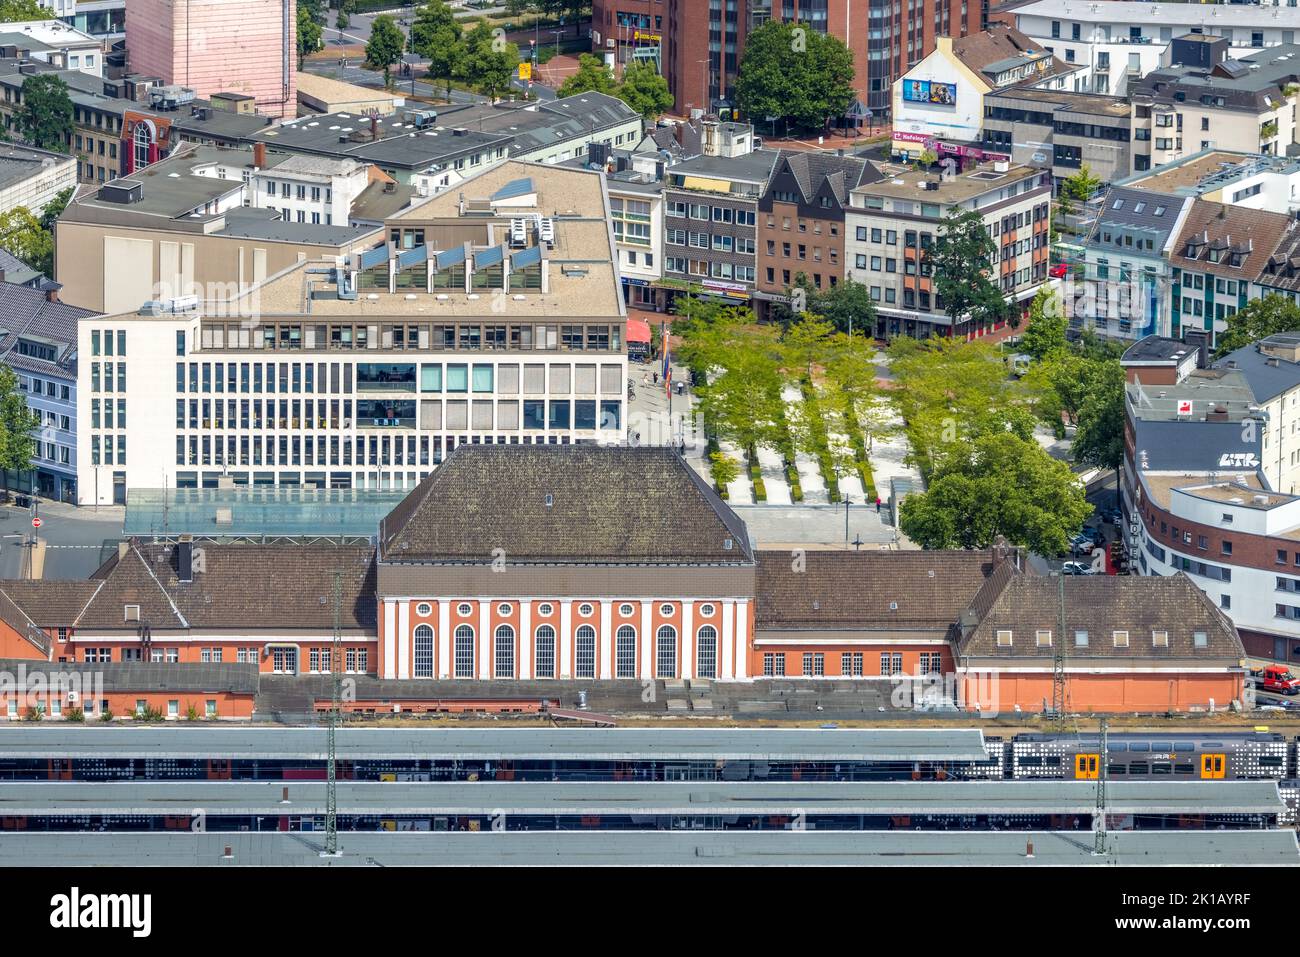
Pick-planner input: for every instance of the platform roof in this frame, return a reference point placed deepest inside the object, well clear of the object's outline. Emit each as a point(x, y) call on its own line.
point(469, 744)
point(257, 512)
point(638, 798)
point(655, 848)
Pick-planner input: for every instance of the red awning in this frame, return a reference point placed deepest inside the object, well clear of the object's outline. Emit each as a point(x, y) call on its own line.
point(638, 330)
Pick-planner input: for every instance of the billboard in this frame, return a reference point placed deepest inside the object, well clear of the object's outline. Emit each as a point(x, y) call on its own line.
point(930, 91)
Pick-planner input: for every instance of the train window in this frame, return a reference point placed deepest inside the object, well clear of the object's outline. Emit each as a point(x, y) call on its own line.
point(1053, 761)
point(1118, 770)
point(1184, 769)
point(1183, 746)
point(1162, 746)
point(1162, 767)
point(1138, 769)
point(1213, 746)
point(1116, 746)
point(1139, 746)
point(1031, 762)
point(1270, 761)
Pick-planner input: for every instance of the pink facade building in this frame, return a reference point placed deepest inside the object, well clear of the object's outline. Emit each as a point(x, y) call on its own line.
point(214, 46)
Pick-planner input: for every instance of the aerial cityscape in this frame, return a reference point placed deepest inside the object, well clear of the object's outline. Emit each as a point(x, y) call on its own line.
point(651, 433)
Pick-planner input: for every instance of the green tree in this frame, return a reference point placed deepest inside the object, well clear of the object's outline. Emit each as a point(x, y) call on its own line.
point(54, 209)
point(16, 11)
point(1007, 486)
point(438, 38)
point(1099, 437)
point(1078, 188)
point(487, 63)
point(1045, 331)
point(18, 424)
point(385, 46)
point(1257, 320)
point(342, 21)
point(725, 469)
point(847, 306)
point(309, 33)
point(592, 76)
point(796, 74)
point(45, 119)
point(645, 90)
point(21, 235)
point(960, 256)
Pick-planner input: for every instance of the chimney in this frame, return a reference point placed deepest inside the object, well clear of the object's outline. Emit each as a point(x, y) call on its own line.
point(284, 795)
point(259, 155)
point(2, 275)
point(185, 560)
point(228, 853)
point(374, 127)
point(122, 548)
point(51, 295)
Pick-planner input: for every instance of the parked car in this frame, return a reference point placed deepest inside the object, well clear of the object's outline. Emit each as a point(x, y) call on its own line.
point(1076, 568)
point(1081, 544)
point(1115, 516)
point(1058, 271)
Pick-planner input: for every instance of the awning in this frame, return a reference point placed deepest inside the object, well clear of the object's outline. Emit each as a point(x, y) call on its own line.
point(638, 330)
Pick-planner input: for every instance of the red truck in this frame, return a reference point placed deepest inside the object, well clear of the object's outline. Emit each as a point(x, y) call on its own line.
point(1277, 679)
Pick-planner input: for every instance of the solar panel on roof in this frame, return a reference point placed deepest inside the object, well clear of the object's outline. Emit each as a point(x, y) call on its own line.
point(489, 257)
point(526, 257)
point(413, 257)
point(373, 257)
point(516, 187)
point(449, 257)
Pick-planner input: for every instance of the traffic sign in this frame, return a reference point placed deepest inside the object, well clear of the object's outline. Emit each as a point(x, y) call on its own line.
point(525, 71)
point(36, 522)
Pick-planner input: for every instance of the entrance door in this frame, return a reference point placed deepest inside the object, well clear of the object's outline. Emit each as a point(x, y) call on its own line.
point(1086, 766)
point(1213, 766)
point(119, 488)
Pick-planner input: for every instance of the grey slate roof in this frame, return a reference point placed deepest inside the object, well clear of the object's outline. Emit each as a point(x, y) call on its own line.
point(609, 505)
point(25, 311)
point(121, 676)
point(1137, 216)
point(1266, 381)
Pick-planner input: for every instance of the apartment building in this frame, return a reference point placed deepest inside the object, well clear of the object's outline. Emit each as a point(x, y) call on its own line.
point(492, 315)
point(305, 189)
point(184, 226)
point(1204, 100)
point(636, 203)
point(53, 42)
point(891, 225)
point(801, 229)
point(31, 178)
point(1116, 42)
point(38, 340)
point(1060, 130)
point(711, 215)
point(1251, 180)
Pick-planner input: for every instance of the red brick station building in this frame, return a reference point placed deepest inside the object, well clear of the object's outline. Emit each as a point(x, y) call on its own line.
point(585, 564)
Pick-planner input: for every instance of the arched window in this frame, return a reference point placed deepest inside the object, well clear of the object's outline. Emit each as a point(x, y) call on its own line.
point(505, 652)
point(464, 653)
point(666, 652)
point(423, 651)
point(584, 647)
point(706, 652)
point(141, 140)
point(544, 652)
point(625, 652)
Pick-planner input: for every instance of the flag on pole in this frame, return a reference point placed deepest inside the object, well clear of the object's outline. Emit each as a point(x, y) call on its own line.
point(668, 369)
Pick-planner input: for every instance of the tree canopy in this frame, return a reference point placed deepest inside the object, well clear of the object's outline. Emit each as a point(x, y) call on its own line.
point(21, 235)
point(592, 76)
point(961, 255)
point(16, 11)
point(1045, 331)
point(794, 73)
point(1257, 320)
point(438, 38)
point(487, 63)
point(18, 424)
point(45, 119)
point(847, 306)
point(645, 90)
point(385, 47)
point(309, 33)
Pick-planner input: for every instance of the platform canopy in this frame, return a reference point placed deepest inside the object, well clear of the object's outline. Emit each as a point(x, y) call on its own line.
point(255, 512)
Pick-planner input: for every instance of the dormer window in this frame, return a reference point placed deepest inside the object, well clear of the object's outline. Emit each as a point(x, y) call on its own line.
point(1004, 638)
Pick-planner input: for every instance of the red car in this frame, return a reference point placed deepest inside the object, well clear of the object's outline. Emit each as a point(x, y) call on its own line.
point(1058, 271)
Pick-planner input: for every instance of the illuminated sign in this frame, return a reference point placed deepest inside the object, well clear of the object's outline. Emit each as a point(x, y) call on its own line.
point(930, 91)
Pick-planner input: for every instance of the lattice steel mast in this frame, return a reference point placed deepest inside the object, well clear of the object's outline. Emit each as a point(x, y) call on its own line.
point(1058, 655)
point(1099, 839)
point(336, 682)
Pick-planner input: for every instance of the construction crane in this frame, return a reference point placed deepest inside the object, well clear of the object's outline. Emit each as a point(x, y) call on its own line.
point(1058, 655)
point(1099, 815)
point(336, 682)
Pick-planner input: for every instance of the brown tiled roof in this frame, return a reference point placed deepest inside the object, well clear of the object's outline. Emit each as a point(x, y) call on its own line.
point(50, 604)
point(1102, 605)
point(999, 42)
point(1261, 229)
point(608, 505)
point(834, 590)
point(286, 586)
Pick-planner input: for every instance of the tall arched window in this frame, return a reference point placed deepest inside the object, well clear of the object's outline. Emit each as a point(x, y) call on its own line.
point(706, 652)
point(464, 652)
point(544, 652)
point(625, 652)
point(666, 652)
point(584, 649)
point(141, 140)
point(423, 651)
point(505, 652)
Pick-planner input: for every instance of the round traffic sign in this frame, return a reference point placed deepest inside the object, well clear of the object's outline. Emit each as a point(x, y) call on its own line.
point(36, 523)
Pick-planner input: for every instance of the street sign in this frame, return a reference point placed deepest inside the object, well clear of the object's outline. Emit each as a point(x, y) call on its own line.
point(525, 71)
point(36, 522)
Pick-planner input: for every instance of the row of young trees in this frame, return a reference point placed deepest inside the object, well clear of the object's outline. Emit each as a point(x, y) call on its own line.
point(642, 87)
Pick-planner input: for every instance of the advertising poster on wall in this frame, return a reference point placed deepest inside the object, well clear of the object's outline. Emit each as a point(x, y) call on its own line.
point(930, 91)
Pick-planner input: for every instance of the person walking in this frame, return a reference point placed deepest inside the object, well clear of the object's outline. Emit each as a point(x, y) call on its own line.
point(877, 504)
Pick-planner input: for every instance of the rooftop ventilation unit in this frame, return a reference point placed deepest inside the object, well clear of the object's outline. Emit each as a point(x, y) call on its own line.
point(546, 231)
point(518, 233)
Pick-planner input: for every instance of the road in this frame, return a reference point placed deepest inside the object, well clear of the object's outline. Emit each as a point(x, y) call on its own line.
point(76, 540)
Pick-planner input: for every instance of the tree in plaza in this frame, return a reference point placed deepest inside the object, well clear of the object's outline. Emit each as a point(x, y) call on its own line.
point(343, 20)
point(961, 255)
point(18, 424)
point(438, 38)
point(16, 11)
point(795, 73)
point(645, 90)
point(847, 306)
point(1257, 320)
point(309, 33)
point(850, 371)
point(45, 119)
point(21, 235)
point(1099, 438)
point(593, 76)
point(385, 46)
point(1007, 486)
point(725, 469)
point(1045, 331)
point(487, 63)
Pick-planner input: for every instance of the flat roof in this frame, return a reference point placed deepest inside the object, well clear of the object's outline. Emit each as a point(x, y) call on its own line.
point(546, 744)
point(946, 798)
point(1157, 349)
point(257, 511)
point(906, 184)
point(1153, 14)
point(656, 848)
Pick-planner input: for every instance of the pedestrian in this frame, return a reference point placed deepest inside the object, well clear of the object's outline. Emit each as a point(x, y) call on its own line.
point(656, 376)
point(877, 504)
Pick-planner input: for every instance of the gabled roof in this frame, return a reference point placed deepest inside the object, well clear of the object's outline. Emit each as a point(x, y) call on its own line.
point(570, 504)
point(867, 591)
point(1099, 605)
point(1255, 233)
point(811, 170)
point(25, 311)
